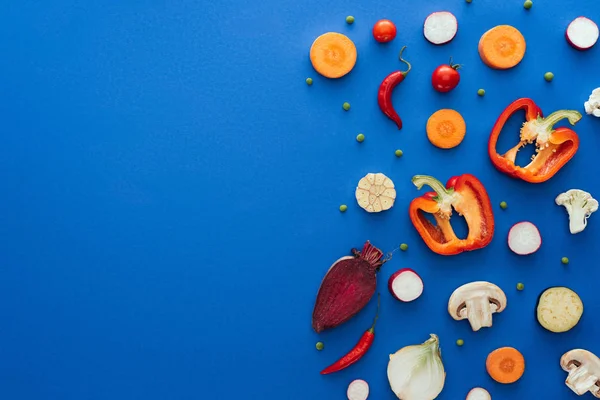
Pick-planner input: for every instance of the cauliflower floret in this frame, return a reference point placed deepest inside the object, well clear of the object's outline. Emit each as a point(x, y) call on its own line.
point(592, 106)
point(580, 205)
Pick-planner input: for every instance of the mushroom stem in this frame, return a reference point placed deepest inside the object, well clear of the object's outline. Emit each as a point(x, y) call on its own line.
point(479, 313)
point(580, 380)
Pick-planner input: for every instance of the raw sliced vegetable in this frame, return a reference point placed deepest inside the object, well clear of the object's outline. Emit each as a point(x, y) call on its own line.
point(559, 309)
point(524, 238)
point(358, 390)
point(582, 33)
point(333, 55)
point(440, 27)
point(467, 196)
point(417, 372)
point(580, 205)
point(445, 77)
point(554, 147)
point(502, 47)
point(505, 365)
point(592, 106)
point(477, 301)
point(336, 305)
point(584, 371)
point(405, 285)
point(384, 31)
point(478, 394)
point(384, 96)
point(446, 129)
point(375, 193)
point(358, 351)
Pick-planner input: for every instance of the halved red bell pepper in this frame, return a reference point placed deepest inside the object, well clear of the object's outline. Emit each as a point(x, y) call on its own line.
point(468, 197)
point(554, 147)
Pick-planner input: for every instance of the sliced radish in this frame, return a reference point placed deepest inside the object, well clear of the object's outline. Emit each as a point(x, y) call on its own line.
point(358, 390)
point(524, 238)
point(405, 285)
point(440, 27)
point(582, 33)
point(479, 394)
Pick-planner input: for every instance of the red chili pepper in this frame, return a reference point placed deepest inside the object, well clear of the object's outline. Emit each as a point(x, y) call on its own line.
point(358, 351)
point(554, 147)
point(387, 87)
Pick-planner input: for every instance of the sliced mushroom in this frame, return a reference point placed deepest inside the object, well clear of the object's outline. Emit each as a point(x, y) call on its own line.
point(477, 301)
point(584, 371)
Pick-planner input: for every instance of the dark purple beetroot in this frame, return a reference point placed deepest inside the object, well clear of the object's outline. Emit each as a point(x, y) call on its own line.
point(347, 287)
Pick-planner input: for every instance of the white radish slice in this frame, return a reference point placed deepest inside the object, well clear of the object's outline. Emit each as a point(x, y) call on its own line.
point(405, 285)
point(478, 394)
point(440, 27)
point(524, 238)
point(582, 33)
point(358, 390)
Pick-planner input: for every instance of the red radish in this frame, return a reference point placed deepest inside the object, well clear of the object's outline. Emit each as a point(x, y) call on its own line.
point(440, 27)
point(582, 33)
point(524, 238)
point(405, 285)
point(479, 394)
point(358, 390)
point(347, 287)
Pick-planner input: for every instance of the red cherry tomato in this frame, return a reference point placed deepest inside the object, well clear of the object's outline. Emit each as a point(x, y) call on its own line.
point(384, 31)
point(445, 77)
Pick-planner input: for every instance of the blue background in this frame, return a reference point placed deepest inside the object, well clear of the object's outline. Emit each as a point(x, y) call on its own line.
point(170, 192)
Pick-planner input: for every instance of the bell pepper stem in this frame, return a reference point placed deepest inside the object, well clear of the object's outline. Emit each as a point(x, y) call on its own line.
point(444, 195)
point(552, 119)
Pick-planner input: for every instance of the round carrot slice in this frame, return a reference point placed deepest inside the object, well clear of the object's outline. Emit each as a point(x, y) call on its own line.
point(446, 129)
point(502, 47)
point(505, 365)
point(333, 55)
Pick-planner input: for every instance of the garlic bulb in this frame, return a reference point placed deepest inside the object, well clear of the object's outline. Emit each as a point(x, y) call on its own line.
point(417, 372)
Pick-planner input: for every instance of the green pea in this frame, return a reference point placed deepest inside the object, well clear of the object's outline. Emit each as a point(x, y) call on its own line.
point(346, 106)
point(481, 92)
point(460, 342)
point(520, 286)
point(398, 153)
point(309, 81)
point(343, 208)
point(403, 247)
point(468, 1)
point(503, 205)
point(564, 260)
point(548, 76)
point(360, 138)
point(320, 346)
point(528, 4)
point(349, 19)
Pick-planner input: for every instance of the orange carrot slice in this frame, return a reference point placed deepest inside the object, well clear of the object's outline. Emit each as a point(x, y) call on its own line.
point(505, 365)
point(333, 55)
point(446, 129)
point(502, 47)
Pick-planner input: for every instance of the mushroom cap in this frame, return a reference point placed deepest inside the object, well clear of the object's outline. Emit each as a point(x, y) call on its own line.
point(579, 357)
point(473, 290)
